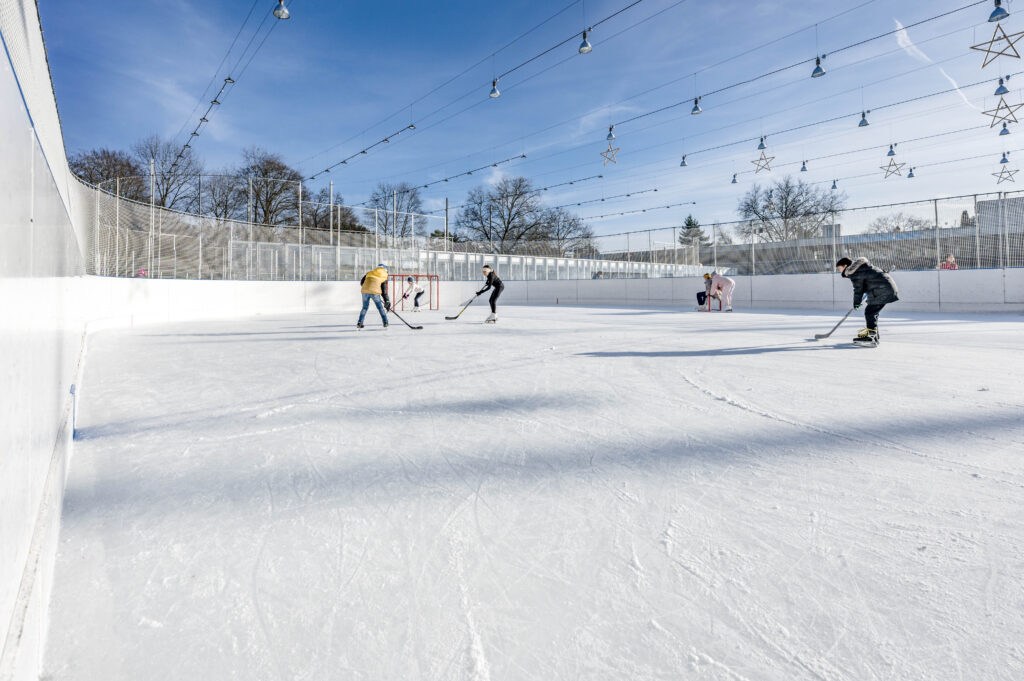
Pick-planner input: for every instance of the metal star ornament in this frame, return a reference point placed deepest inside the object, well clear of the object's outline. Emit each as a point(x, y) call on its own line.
point(893, 168)
point(609, 154)
point(1008, 50)
point(763, 163)
point(1005, 175)
point(1003, 112)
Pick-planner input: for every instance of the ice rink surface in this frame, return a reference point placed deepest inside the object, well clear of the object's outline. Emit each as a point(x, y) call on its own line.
point(573, 493)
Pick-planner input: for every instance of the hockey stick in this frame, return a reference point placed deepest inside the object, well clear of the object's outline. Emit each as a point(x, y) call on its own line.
point(819, 336)
point(392, 311)
point(464, 308)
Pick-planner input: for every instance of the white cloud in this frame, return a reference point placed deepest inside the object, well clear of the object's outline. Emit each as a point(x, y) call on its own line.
point(908, 46)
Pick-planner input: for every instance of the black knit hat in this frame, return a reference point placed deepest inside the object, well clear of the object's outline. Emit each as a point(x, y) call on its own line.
point(844, 262)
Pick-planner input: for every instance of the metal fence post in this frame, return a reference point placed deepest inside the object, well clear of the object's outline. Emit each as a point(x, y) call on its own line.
point(200, 247)
point(977, 236)
point(117, 227)
point(1000, 221)
point(152, 214)
point(938, 252)
point(331, 226)
point(714, 244)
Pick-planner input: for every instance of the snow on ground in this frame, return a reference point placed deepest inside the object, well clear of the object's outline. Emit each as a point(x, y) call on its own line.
point(571, 494)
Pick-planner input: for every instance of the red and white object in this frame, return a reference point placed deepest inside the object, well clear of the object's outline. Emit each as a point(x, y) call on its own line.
point(399, 285)
point(706, 307)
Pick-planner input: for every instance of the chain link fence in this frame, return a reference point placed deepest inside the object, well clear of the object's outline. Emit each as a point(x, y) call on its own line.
point(131, 238)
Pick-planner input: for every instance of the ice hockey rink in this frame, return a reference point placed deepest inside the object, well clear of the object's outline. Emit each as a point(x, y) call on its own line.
point(573, 493)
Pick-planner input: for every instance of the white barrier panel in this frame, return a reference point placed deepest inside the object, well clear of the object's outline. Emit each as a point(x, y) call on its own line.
point(1013, 286)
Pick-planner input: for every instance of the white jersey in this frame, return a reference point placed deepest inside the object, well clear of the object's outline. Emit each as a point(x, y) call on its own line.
point(414, 289)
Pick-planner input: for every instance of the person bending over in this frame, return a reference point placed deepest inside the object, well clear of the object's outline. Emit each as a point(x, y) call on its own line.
point(877, 285)
point(721, 286)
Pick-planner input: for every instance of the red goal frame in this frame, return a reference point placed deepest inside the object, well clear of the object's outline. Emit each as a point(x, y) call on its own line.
point(398, 284)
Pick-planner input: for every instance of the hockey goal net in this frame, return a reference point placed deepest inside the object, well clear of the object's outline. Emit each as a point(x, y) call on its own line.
point(400, 286)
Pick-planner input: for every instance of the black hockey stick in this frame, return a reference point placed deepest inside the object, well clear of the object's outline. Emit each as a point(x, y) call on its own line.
point(464, 308)
point(819, 336)
point(392, 311)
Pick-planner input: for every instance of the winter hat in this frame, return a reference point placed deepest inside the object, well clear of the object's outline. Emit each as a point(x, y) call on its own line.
point(382, 266)
point(707, 275)
point(410, 280)
point(487, 267)
point(844, 262)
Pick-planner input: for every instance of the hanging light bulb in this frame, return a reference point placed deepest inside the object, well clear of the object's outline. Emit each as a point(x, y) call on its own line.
point(833, 184)
point(1001, 90)
point(761, 146)
point(696, 107)
point(1005, 130)
point(682, 164)
point(229, 80)
point(494, 89)
point(818, 72)
point(215, 102)
point(585, 46)
point(281, 12)
point(892, 152)
point(910, 175)
point(1004, 159)
point(203, 120)
point(611, 133)
point(733, 178)
point(863, 120)
point(998, 14)
point(803, 168)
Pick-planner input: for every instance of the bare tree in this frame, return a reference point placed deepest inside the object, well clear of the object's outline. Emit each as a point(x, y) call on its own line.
point(788, 210)
point(223, 195)
point(175, 180)
point(897, 222)
point(106, 165)
point(504, 215)
point(567, 233)
point(275, 187)
point(316, 213)
point(396, 204)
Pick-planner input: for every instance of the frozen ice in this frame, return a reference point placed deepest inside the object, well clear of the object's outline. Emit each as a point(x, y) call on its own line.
point(574, 493)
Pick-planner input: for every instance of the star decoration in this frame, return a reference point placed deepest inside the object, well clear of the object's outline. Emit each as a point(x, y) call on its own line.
point(997, 113)
point(989, 47)
point(609, 154)
point(762, 163)
point(1005, 175)
point(893, 168)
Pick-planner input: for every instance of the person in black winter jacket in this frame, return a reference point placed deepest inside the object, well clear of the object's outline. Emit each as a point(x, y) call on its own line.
point(876, 284)
point(493, 282)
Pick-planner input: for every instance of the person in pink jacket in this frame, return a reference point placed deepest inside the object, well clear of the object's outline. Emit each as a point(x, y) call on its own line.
point(723, 286)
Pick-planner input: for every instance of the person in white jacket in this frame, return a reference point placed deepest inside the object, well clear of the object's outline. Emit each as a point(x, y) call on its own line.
point(416, 291)
point(723, 286)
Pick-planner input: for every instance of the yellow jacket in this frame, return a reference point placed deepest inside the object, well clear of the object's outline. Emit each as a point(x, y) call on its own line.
point(374, 280)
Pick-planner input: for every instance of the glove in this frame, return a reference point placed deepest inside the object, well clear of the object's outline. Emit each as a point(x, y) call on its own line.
point(478, 293)
point(405, 296)
point(856, 306)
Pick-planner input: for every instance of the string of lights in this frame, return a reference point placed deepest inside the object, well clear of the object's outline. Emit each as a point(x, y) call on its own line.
point(457, 175)
point(638, 210)
point(280, 13)
point(538, 190)
point(696, 101)
point(345, 160)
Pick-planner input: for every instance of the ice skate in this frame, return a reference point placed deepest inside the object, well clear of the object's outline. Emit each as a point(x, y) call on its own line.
point(729, 309)
point(867, 337)
point(491, 318)
point(359, 325)
point(416, 309)
point(385, 325)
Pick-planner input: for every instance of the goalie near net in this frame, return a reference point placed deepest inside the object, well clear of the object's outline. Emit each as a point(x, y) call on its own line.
point(399, 286)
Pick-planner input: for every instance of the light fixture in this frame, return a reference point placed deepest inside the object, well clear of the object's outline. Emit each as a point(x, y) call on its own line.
point(696, 107)
point(682, 164)
point(863, 120)
point(818, 72)
point(892, 152)
point(215, 102)
point(611, 133)
point(281, 12)
point(229, 80)
point(585, 46)
point(833, 184)
point(195, 134)
point(494, 89)
point(203, 120)
point(761, 146)
point(733, 178)
point(803, 168)
point(998, 14)
point(910, 175)
point(1004, 159)
point(411, 127)
point(1002, 90)
point(1005, 130)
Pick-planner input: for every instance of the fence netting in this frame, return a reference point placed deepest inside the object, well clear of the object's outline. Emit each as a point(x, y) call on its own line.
point(133, 239)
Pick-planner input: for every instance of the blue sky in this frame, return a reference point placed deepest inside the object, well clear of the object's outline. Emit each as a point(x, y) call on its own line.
point(123, 70)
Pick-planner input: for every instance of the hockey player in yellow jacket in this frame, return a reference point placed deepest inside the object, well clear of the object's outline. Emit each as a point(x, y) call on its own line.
point(374, 286)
